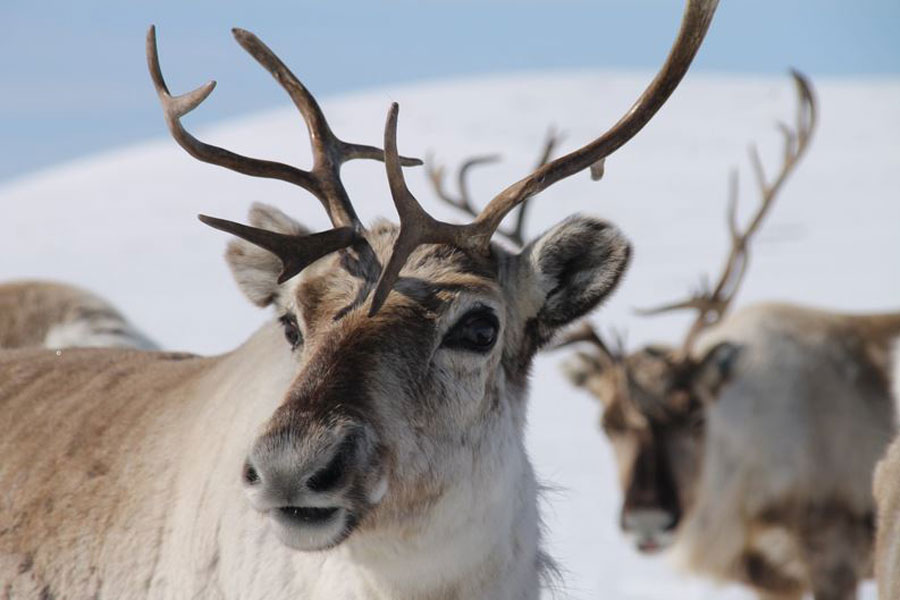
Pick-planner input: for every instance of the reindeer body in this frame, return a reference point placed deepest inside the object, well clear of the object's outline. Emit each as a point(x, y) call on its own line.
point(56, 315)
point(375, 451)
point(887, 543)
point(783, 500)
point(753, 457)
point(137, 491)
point(751, 446)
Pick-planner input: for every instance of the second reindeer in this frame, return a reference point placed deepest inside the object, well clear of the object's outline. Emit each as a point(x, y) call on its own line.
point(750, 447)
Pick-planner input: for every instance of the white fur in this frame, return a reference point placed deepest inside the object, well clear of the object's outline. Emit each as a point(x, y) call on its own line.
point(455, 512)
point(470, 545)
point(97, 333)
point(785, 429)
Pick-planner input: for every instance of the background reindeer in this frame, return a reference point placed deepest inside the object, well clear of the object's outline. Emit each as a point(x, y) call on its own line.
point(751, 446)
point(887, 543)
point(57, 315)
point(375, 430)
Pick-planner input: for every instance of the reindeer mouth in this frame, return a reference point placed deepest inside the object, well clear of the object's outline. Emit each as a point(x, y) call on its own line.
point(649, 546)
point(306, 515)
point(312, 528)
point(653, 543)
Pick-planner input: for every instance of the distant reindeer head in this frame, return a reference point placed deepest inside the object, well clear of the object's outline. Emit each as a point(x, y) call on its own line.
point(654, 400)
point(412, 343)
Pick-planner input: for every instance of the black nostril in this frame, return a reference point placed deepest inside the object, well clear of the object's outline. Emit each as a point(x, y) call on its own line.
point(250, 475)
point(327, 478)
point(331, 475)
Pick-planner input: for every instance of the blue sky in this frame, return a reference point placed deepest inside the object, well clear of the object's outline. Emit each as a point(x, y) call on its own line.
point(75, 81)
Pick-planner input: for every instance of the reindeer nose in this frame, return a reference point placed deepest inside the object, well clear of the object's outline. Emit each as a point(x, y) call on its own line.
point(286, 469)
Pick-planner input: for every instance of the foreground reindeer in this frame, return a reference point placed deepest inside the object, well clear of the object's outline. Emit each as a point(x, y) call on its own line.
point(752, 445)
point(887, 544)
point(56, 315)
point(369, 444)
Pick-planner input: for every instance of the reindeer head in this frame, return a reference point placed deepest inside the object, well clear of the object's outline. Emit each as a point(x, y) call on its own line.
point(654, 404)
point(412, 343)
point(655, 400)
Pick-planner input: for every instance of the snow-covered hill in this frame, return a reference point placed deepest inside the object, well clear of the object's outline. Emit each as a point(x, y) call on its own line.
point(123, 224)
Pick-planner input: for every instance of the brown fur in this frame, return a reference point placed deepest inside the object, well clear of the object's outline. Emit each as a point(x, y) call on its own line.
point(30, 310)
point(60, 450)
point(122, 470)
point(887, 546)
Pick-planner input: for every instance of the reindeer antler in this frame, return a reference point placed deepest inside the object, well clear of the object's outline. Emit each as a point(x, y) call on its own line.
point(584, 332)
point(712, 302)
point(463, 201)
point(322, 180)
point(418, 227)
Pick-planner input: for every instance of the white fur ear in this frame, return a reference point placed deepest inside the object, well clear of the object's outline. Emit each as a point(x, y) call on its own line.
point(256, 270)
point(574, 266)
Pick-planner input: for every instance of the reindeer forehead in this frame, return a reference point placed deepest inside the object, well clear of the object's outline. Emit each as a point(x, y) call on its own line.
point(650, 370)
point(643, 384)
point(432, 279)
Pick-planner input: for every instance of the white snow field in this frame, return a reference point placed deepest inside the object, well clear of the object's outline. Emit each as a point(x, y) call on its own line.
point(124, 224)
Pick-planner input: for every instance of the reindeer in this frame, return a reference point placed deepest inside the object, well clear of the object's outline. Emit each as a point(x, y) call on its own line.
point(57, 315)
point(887, 539)
point(750, 447)
point(366, 444)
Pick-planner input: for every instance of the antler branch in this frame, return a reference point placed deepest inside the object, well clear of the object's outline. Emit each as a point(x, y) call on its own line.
point(420, 228)
point(711, 303)
point(694, 25)
point(323, 180)
point(329, 151)
point(463, 200)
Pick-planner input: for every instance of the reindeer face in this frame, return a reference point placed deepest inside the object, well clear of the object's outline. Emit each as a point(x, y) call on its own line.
point(391, 416)
point(409, 405)
point(654, 404)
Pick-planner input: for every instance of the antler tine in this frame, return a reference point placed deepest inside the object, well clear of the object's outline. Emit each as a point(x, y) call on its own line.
point(712, 304)
point(295, 252)
point(329, 152)
point(176, 107)
point(695, 23)
point(517, 235)
point(416, 226)
point(463, 201)
point(583, 332)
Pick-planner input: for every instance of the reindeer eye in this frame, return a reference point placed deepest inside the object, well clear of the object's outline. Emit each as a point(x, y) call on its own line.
point(291, 330)
point(476, 331)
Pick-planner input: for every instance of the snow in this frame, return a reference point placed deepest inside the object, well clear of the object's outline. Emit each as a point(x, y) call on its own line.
point(123, 225)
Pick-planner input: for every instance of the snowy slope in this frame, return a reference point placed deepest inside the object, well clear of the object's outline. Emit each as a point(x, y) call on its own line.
point(123, 224)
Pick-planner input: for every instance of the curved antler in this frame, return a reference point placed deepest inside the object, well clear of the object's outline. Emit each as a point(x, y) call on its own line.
point(418, 227)
point(329, 151)
point(323, 180)
point(712, 302)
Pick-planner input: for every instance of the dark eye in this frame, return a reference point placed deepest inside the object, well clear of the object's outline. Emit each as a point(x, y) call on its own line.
point(291, 330)
point(475, 332)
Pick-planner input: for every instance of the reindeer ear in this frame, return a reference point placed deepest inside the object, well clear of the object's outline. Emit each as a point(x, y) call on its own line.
point(572, 268)
point(256, 270)
point(581, 367)
point(717, 367)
